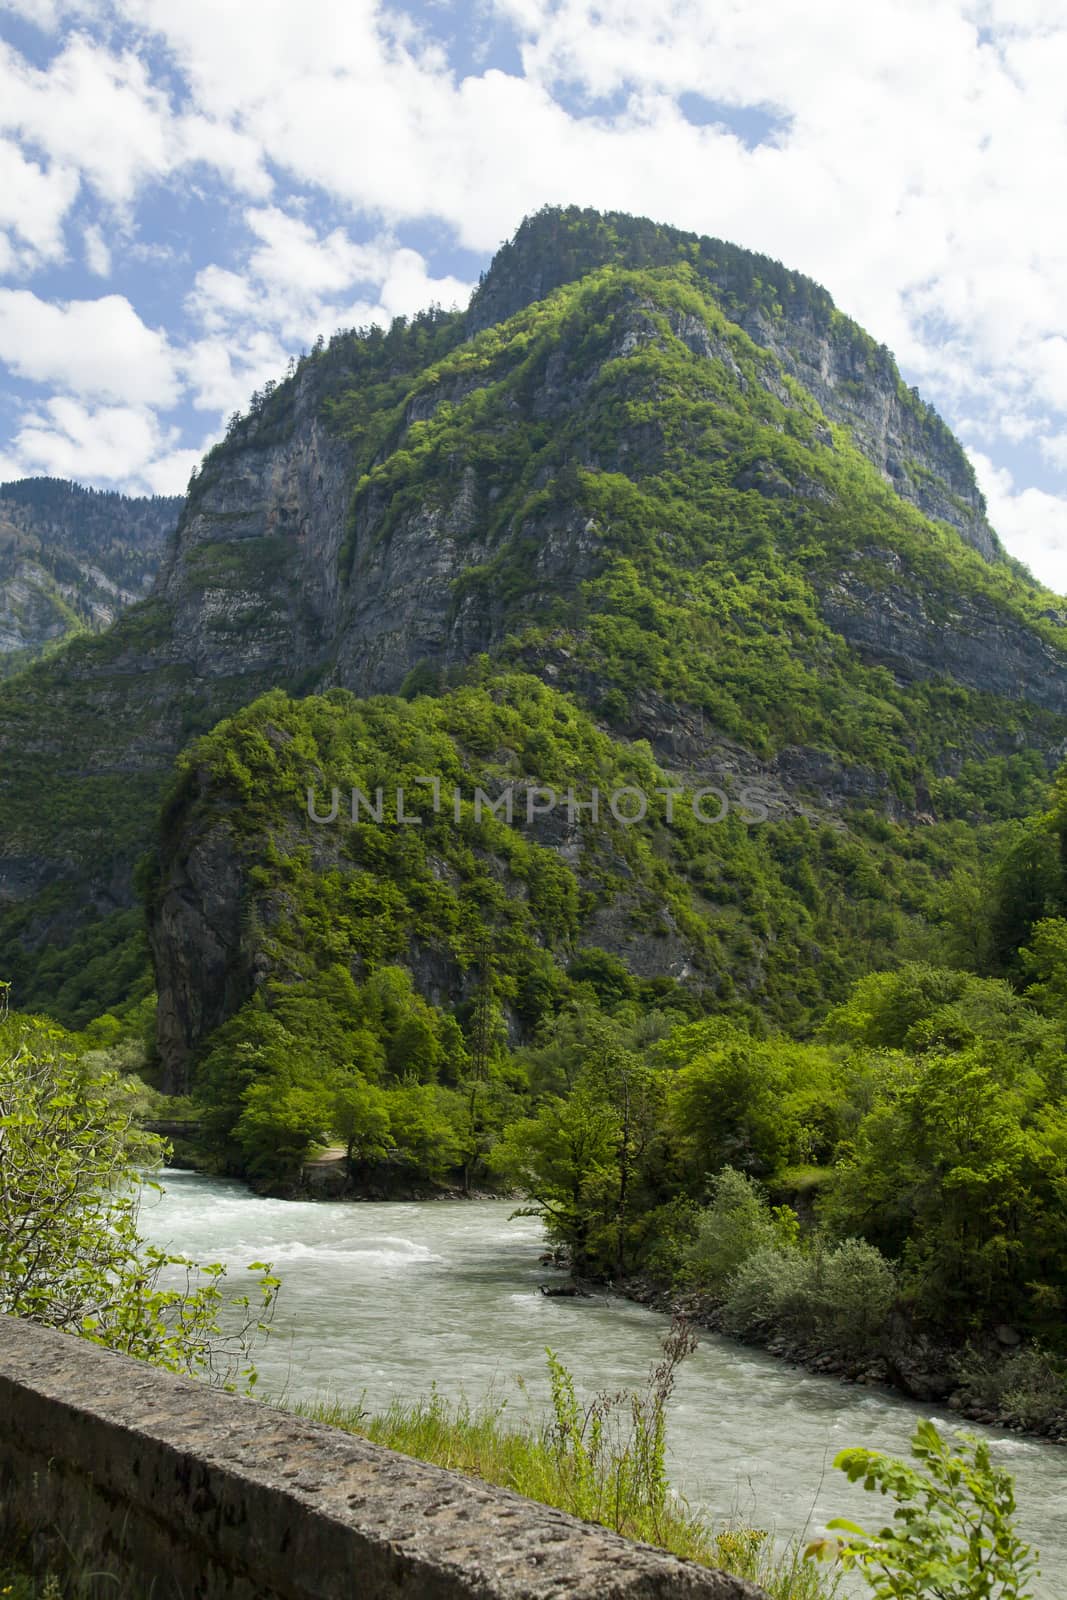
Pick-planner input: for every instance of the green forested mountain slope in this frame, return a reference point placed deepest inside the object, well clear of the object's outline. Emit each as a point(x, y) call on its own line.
point(652, 516)
point(72, 559)
point(731, 904)
point(617, 489)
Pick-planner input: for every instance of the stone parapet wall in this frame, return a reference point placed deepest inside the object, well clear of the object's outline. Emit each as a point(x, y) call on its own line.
point(186, 1493)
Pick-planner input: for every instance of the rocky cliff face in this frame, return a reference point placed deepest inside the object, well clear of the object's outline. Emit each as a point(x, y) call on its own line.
point(683, 488)
point(965, 639)
point(854, 380)
point(72, 558)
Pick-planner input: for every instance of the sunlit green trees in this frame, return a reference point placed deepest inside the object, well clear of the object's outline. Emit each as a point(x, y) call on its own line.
point(71, 1254)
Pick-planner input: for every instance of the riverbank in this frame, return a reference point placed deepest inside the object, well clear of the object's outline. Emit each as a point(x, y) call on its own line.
point(1004, 1384)
point(604, 1463)
point(397, 1299)
point(980, 1386)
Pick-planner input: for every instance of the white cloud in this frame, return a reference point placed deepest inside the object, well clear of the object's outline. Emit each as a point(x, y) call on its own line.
point(95, 112)
point(97, 252)
point(223, 371)
point(911, 174)
point(91, 347)
point(168, 473)
point(67, 439)
point(1031, 522)
point(294, 285)
point(45, 13)
point(33, 202)
point(100, 114)
point(291, 255)
point(1054, 450)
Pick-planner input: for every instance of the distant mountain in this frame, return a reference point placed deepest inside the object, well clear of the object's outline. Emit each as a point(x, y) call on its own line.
point(71, 559)
point(661, 475)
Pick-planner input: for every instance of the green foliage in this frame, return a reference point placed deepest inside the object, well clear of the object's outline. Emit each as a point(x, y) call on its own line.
point(1026, 1387)
point(694, 511)
point(942, 1172)
point(833, 1299)
point(951, 1534)
point(734, 1225)
point(603, 1460)
point(71, 1256)
point(334, 1059)
point(584, 1158)
point(105, 966)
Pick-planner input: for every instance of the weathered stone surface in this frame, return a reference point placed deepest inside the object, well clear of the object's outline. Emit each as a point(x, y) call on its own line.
point(196, 1494)
point(854, 381)
point(976, 642)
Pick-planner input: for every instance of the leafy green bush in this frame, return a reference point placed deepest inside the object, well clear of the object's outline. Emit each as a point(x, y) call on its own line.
point(769, 1294)
point(952, 1533)
point(835, 1297)
point(732, 1227)
point(71, 1256)
point(1026, 1386)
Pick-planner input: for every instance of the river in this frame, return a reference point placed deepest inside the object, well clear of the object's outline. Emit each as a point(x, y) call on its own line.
point(384, 1299)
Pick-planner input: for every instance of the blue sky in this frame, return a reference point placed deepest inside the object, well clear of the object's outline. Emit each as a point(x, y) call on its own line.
point(191, 190)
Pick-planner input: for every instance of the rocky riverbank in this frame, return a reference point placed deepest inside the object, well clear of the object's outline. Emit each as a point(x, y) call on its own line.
point(1003, 1383)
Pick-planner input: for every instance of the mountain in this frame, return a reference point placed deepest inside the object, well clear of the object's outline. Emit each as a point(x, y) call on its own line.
point(661, 476)
point(72, 559)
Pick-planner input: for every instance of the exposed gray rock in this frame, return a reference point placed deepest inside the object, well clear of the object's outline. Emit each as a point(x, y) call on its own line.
point(72, 557)
point(973, 641)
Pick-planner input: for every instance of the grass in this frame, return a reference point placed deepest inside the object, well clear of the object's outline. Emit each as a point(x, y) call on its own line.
point(603, 1462)
point(18, 1585)
point(18, 1582)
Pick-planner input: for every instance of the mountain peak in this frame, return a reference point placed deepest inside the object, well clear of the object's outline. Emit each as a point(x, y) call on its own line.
point(559, 244)
point(854, 379)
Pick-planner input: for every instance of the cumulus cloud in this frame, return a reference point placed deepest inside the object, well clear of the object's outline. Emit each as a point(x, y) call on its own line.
point(903, 177)
point(908, 172)
point(120, 445)
point(223, 371)
point(34, 200)
point(294, 284)
point(98, 113)
point(1031, 522)
point(97, 252)
point(90, 347)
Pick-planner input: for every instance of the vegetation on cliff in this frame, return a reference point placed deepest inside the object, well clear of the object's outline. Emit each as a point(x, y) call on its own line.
point(617, 488)
point(623, 532)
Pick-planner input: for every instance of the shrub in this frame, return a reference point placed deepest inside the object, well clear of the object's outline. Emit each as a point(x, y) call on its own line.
point(952, 1533)
point(838, 1298)
point(735, 1224)
point(852, 1288)
point(71, 1255)
point(769, 1293)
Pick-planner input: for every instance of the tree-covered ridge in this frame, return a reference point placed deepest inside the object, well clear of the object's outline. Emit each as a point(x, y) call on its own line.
point(711, 503)
point(782, 308)
point(71, 559)
point(875, 1178)
point(735, 909)
point(617, 490)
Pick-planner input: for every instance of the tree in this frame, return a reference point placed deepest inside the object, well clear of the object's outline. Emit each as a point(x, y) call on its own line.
point(361, 1119)
point(285, 1113)
point(726, 1109)
point(71, 1255)
point(559, 1157)
point(941, 1174)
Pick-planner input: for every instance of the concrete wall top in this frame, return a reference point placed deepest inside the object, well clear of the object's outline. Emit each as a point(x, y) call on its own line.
point(193, 1494)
